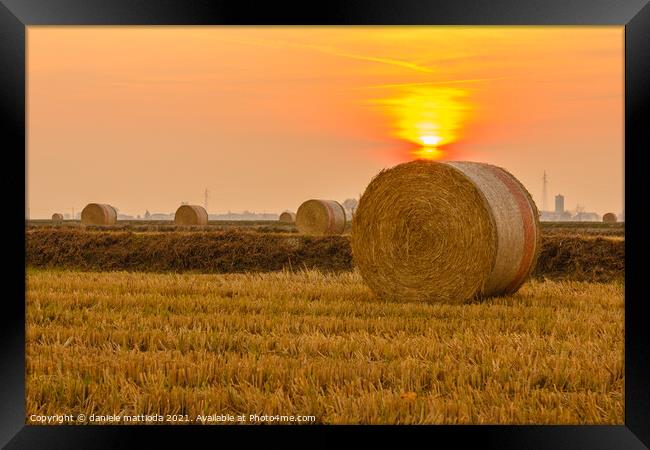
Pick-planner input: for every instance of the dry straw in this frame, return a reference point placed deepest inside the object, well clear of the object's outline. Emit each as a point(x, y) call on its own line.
point(320, 218)
point(288, 217)
point(57, 217)
point(610, 218)
point(98, 214)
point(454, 231)
point(191, 215)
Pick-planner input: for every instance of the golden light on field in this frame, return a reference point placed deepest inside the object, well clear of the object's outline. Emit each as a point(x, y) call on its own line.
point(320, 345)
point(428, 116)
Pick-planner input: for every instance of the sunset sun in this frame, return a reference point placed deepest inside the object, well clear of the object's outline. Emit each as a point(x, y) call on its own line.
point(428, 116)
point(430, 140)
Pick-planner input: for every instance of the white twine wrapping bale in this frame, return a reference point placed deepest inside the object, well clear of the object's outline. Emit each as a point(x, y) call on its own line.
point(445, 231)
point(98, 214)
point(191, 215)
point(288, 217)
point(320, 217)
point(57, 217)
point(610, 218)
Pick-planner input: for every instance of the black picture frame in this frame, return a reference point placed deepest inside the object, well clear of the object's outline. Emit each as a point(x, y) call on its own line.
point(16, 15)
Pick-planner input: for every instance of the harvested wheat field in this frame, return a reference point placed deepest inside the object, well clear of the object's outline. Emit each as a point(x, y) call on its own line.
point(320, 344)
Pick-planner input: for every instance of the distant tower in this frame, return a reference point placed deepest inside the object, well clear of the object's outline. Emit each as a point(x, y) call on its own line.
point(206, 195)
point(559, 203)
point(544, 191)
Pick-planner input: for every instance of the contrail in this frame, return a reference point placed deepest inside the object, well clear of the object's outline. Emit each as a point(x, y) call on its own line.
point(334, 52)
point(391, 62)
point(428, 83)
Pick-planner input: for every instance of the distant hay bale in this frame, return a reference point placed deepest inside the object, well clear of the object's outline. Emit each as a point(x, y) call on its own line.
point(288, 217)
point(98, 214)
point(610, 218)
point(445, 231)
point(57, 217)
point(191, 215)
point(320, 218)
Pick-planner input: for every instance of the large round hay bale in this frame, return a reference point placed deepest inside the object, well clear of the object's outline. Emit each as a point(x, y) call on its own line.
point(98, 214)
point(191, 215)
point(288, 217)
point(57, 217)
point(445, 231)
point(320, 217)
point(610, 218)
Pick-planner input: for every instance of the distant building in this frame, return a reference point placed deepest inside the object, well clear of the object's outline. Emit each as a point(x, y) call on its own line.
point(562, 215)
point(246, 215)
point(587, 217)
point(552, 216)
point(161, 216)
point(559, 204)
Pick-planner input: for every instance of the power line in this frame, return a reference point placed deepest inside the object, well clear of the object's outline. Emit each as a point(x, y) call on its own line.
point(206, 196)
point(544, 191)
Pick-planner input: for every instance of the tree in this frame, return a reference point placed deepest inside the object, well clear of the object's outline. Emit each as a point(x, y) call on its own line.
point(350, 204)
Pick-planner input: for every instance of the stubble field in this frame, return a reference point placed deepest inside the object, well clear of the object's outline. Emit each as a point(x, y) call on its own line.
point(314, 342)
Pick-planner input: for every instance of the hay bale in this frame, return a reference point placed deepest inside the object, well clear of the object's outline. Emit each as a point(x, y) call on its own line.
point(610, 218)
point(98, 214)
point(445, 231)
point(191, 215)
point(57, 217)
point(320, 217)
point(288, 217)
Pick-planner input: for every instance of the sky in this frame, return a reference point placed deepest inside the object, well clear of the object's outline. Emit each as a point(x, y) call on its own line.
point(145, 118)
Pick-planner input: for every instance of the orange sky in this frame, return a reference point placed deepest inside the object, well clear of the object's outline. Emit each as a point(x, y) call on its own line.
point(267, 117)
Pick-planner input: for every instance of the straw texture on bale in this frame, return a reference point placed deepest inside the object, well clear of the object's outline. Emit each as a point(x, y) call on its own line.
point(320, 218)
point(191, 215)
point(445, 231)
point(288, 217)
point(57, 217)
point(610, 218)
point(98, 214)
